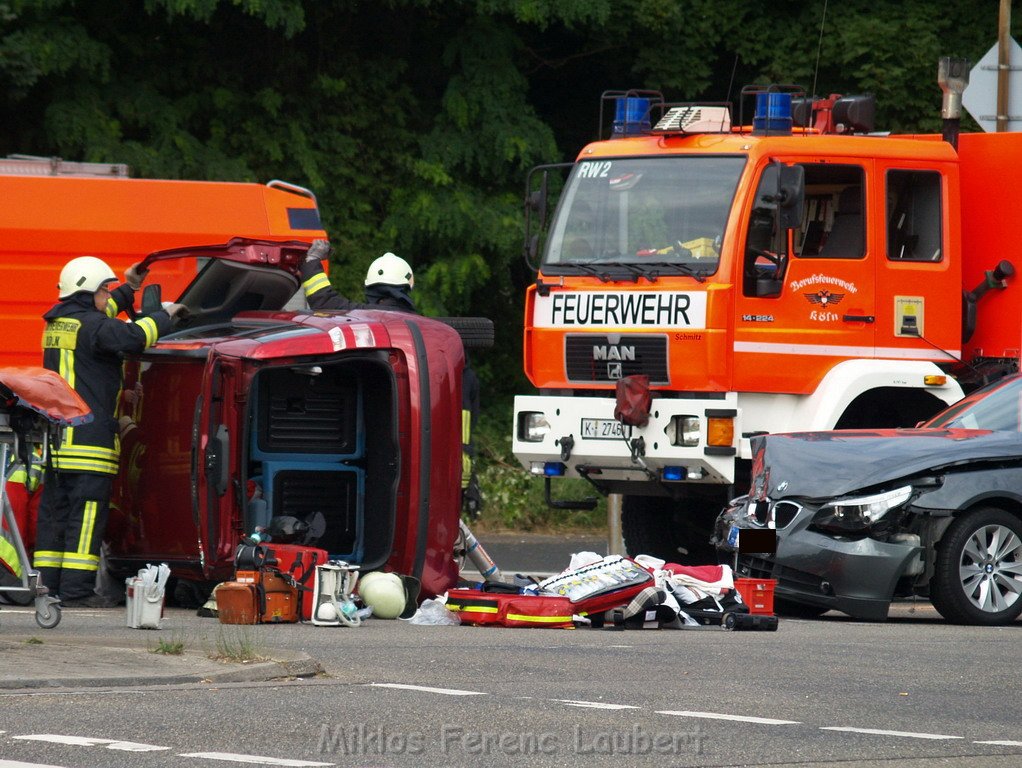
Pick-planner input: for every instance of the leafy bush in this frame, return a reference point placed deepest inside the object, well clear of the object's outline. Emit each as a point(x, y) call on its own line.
point(513, 497)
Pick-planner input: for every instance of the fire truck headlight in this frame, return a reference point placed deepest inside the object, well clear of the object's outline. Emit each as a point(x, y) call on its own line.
point(683, 430)
point(532, 427)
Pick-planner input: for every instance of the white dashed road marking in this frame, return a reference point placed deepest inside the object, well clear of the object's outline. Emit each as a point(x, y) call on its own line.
point(594, 704)
point(722, 716)
point(19, 764)
point(88, 741)
point(426, 689)
point(254, 759)
point(878, 732)
point(1001, 743)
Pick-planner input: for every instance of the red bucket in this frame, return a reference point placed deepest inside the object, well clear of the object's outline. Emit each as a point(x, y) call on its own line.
point(758, 594)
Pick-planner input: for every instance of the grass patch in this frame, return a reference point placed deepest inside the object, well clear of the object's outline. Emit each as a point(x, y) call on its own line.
point(33, 641)
point(513, 499)
point(174, 646)
point(234, 642)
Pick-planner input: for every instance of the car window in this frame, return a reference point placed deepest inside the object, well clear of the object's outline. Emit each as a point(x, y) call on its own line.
point(996, 407)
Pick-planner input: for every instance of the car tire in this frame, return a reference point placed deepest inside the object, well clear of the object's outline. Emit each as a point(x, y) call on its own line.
point(475, 332)
point(978, 570)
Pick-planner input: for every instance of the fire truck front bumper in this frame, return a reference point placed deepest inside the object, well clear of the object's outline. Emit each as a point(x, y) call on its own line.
point(686, 440)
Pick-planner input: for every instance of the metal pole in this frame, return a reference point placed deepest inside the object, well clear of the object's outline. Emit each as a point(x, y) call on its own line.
point(1003, 63)
point(615, 540)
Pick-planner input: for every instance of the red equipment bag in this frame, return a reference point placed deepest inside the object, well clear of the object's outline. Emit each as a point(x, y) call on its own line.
point(633, 400)
point(608, 583)
point(299, 563)
point(476, 607)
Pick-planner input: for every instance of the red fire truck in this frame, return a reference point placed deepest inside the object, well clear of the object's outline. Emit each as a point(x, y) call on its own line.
point(798, 273)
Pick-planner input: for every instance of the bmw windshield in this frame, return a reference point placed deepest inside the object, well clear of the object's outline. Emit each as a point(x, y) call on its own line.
point(997, 407)
point(663, 215)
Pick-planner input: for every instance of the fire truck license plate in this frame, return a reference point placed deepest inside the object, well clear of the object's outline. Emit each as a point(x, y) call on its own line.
point(602, 429)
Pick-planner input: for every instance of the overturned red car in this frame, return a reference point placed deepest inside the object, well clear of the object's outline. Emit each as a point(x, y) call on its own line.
point(248, 412)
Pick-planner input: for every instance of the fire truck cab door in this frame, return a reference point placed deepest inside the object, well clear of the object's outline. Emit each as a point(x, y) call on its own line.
point(805, 300)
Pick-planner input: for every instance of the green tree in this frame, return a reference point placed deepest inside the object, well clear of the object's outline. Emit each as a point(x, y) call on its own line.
point(415, 121)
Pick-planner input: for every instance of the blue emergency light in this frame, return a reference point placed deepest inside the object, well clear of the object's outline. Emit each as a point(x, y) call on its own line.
point(631, 116)
point(553, 469)
point(773, 112)
point(672, 474)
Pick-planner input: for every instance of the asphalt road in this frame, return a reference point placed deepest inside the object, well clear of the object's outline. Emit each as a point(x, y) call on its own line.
point(833, 692)
point(912, 691)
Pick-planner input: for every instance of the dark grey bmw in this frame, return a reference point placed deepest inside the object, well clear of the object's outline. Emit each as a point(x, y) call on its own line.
point(866, 516)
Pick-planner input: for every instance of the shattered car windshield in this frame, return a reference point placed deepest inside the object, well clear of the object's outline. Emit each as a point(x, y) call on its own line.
point(997, 407)
point(665, 214)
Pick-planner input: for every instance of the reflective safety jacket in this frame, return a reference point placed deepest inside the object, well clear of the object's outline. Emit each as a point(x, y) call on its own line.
point(321, 295)
point(85, 347)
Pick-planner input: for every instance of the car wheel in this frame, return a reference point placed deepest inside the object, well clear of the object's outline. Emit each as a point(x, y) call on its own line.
point(978, 572)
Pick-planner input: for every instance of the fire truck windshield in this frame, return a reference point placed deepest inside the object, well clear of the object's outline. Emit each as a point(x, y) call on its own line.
point(659, 214)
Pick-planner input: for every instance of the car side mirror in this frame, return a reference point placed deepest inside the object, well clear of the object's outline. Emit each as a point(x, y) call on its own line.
point(152, 299)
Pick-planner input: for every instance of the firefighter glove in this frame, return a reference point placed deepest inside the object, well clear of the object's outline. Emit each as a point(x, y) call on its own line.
point(135, 275)
point(319, 250)
point(177, 311)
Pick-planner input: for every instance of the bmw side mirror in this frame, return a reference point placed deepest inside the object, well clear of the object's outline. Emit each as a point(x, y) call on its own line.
point(152, 299)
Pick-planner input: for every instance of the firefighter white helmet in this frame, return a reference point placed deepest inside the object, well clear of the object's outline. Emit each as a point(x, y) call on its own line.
point(85, 273)
point(384, 593)
point(390, 269)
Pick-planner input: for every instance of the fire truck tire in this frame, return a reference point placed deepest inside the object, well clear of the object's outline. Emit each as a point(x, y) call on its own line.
point(647, 524)
point(475, 332)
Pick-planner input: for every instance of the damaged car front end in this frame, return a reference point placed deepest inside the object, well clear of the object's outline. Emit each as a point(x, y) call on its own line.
point(863, 517)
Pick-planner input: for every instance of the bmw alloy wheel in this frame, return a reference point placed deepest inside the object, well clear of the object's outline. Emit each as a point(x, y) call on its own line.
point(978, 572)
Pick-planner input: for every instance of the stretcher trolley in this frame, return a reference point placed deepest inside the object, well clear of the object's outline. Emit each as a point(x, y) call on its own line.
point(35, 405)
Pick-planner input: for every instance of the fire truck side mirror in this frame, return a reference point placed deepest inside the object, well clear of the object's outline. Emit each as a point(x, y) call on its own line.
point(537, 200)
point(791, 195)
point(532, 249)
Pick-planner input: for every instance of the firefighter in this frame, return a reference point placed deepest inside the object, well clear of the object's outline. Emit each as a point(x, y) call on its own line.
point(83, 342)
point(388, 285)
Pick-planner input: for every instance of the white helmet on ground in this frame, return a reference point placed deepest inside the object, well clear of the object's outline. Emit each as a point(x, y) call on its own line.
point(390, 269)
point(384, 592)
point(85, 273)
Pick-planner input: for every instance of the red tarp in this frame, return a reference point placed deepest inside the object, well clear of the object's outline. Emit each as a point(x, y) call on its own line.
point(44, 392)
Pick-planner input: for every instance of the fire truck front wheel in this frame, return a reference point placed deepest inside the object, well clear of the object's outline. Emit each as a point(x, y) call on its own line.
point(647, 523)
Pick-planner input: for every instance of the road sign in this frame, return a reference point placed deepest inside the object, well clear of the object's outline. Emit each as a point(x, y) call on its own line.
point(980, 97)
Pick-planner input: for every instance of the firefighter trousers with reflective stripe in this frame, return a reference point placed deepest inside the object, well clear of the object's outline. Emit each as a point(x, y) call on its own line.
point(72, 521)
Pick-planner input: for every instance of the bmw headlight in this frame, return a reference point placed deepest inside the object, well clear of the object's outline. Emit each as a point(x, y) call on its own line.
point(857, 514)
